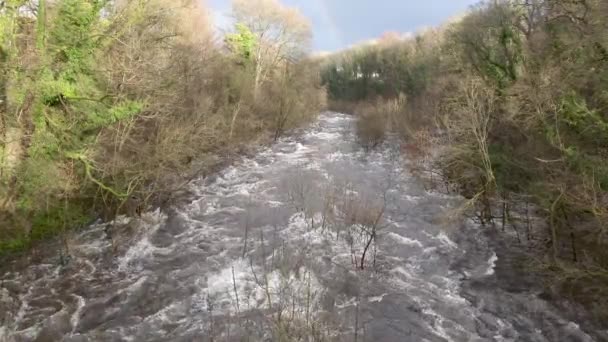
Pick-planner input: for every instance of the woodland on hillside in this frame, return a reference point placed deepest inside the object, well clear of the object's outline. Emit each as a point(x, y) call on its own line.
point(108, 106)
point(514, 96)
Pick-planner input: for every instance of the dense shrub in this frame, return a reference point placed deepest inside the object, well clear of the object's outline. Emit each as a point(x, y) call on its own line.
point(108, 106)
point(517, 92)
point(371, 123)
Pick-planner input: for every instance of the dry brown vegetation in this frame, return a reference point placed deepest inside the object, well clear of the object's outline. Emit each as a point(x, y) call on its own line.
point(109, 107)
point(513, 97)
point(371, 125)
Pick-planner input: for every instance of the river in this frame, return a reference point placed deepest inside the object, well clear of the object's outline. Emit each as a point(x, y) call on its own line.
point(270, 249)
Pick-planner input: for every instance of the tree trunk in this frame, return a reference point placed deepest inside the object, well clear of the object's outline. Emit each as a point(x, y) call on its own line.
point(554, 228)
point(41, 28)
point(528, 228)
point(258, 78)
point(572, 236)
point(369, 243)
point(504, 214)
point(235, 114)
point(280, 119)
point(27, 131)
point(3, 113)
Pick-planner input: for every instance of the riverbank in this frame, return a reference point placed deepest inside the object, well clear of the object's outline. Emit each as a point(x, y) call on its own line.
point(175, 190)
point(517, 90)
point(91, 128)
point(519, 266)
point(257, 252)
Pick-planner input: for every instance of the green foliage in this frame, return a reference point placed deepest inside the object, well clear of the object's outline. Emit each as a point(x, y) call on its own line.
point(52, 89)
point(41, 181)
point(13, 245)
point(489, 42)
point(72, 37)
point(586, 165)
point(242, 43)
point(588, 124)
point(41, 29)
point(385, 70)
point(111, 100)
point(47, 224)
point(512, 175)
point(62, 97)
point(107, 116)
point(547, 131)
point(56, 219)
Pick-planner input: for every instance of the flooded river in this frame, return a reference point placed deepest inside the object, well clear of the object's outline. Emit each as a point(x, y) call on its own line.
point(270, 249)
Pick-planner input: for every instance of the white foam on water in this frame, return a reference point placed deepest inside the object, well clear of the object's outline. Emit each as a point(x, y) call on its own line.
point(446, 241)
point(316, 236)
point(217, 274)
point(144, 248)
point(223, 281)
point(5, 296)
point(139, 252)
point(427, 293)
point(92, 248)
point(491, 264)
point(404, 240)
point(335, 118)
point(91, 266)
point(574, 329)
point(122, 220)
point(296, 157)
point(28, 334)
point(229, 173)
point(134, 287)
point(246, 186)
point(401, 273)
point(210, 208)
point(254, 288)
point(274, 204)
point(300, 233)
point(75, 318)
point(24, 304)
point(328, 136)
point(450, 291)
point(336, 156)
point(437, 326)
point(167, 314)
point(429, 250)
point(346, 303)
point(411, 198)
point(502, 326)
point(377, 299)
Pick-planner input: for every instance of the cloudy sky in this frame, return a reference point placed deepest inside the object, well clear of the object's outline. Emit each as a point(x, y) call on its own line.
point(340, 23)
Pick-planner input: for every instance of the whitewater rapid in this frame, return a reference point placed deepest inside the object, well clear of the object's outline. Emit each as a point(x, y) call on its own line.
point(264, 248)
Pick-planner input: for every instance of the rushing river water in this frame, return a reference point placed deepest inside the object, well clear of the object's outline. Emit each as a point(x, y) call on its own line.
point(266, 251)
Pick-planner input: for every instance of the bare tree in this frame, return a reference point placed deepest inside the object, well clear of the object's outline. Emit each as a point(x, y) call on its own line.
point(283, 34)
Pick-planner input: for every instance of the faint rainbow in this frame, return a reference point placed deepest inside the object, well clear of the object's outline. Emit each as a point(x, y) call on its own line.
point(329, 24)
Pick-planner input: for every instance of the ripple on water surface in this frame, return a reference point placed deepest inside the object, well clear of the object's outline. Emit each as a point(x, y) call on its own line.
point(278, 233)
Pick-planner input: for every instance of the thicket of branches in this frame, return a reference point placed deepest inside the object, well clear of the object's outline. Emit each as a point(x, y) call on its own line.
point(107, 106)
point(516, 89)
